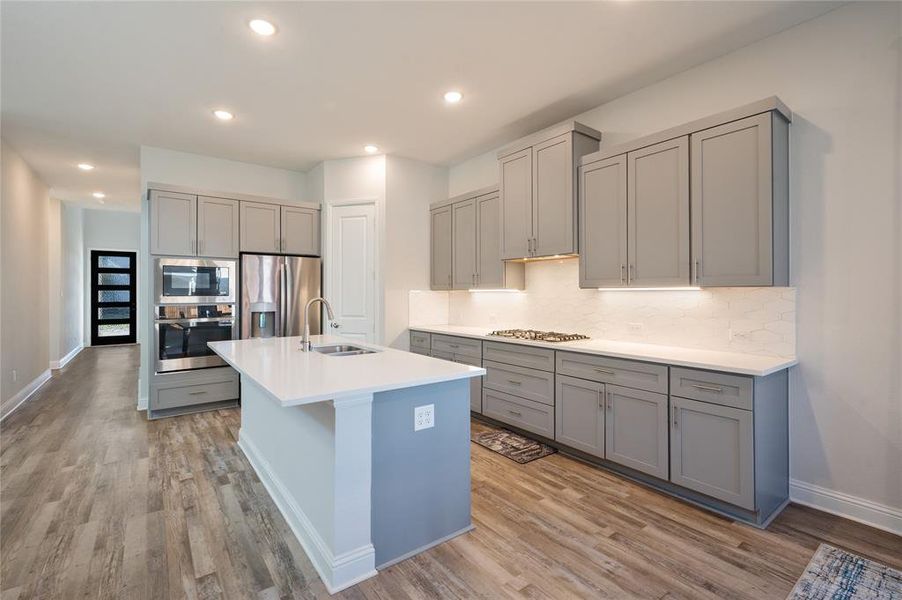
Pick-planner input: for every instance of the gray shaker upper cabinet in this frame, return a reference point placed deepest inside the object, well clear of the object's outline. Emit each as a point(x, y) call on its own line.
point(516, 201)
point(173, 223)
point(538, 178)
point(441, 241)
point(602, 222)
point(463, 245)
point(217, 227)
point(260, 227)
point(491, 272)
point(300, 230)
point(658, 214)
point(740, 202)
point(707, 204)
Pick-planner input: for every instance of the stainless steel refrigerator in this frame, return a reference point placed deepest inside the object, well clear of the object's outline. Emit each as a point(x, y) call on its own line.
point(275, 290)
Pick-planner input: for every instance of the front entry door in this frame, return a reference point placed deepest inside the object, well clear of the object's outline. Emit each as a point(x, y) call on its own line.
point(352, 274)
point(113, 288)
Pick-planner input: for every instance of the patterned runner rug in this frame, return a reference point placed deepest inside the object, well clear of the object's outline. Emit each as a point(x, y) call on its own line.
point(833, 574)
point(513, 446)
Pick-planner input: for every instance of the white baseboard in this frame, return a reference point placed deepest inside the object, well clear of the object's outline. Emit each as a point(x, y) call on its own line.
point(850, 507)
point(24, 394)
point(337, 572)
point(59, 364)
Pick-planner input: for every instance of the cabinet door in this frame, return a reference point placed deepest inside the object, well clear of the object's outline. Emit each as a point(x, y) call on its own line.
point(173, 223)
point(579, 414)
point(516, 204)
point(658, 214)
point(732, 211)
point(489, 266)
point(217, 227)
point(636, 430)
point(441, 248)
point(260, 227)
point(554, 200)
point(463, 244)
point(712, 452)
point(300, 231)
point(602, 237)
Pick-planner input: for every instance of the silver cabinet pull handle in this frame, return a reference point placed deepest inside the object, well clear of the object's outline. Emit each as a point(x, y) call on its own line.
point(629, 273)
point(675, 412)
point(514, 382)
point(605, 371)
point(708, 388)
point(196, 393)
point(515, 413)
point(610, 401)
point(600, 400)
point(698, 271)
point(622, 269)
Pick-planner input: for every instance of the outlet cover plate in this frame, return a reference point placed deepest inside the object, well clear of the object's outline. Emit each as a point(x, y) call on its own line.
point(424, 417)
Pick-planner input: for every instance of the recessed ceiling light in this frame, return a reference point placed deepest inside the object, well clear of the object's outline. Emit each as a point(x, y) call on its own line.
point(371, 149)
point(223, 115)
point(85, 167)
point(453, 97)
point(262, 27)
point(99, 195)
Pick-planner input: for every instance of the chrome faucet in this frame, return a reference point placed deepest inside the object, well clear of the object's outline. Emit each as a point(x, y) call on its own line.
point(306, 345)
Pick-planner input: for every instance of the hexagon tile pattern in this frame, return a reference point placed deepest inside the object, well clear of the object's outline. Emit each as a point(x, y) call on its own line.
point(747, 320)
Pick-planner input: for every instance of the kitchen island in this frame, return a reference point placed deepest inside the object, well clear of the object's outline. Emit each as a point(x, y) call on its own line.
point(334, 439)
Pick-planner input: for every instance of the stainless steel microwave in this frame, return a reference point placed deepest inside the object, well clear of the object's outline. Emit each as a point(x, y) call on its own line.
point(195, 281)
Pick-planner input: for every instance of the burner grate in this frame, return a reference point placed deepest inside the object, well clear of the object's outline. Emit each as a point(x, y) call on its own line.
point(539, 336)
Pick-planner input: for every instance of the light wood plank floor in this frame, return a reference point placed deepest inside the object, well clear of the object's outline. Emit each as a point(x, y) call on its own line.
point(97, 502)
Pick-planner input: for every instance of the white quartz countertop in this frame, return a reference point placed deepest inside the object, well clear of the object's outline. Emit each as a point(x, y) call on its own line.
point(293, 377)
point(714, 360)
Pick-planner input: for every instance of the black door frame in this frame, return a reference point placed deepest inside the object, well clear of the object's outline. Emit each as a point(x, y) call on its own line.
point(97, 340)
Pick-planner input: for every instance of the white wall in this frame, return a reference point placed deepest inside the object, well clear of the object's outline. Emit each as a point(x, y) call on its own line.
point(159, 165)
point(840, 75)
point(410, 187)
point(24, 277)
point(66, 280)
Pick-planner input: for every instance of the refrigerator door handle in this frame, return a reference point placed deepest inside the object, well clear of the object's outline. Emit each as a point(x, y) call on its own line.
point(283, 297)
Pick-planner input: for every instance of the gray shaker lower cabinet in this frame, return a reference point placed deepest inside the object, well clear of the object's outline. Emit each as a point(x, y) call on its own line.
point(712, 451)
point(579, 412)
point(636, 430)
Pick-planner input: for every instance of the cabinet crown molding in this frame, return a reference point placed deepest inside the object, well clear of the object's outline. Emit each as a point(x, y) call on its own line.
point(153, 186)
point(484, 191)
point(548, 133)
point(770, 104)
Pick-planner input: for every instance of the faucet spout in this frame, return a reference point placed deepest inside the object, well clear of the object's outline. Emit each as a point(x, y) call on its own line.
point(306, 344)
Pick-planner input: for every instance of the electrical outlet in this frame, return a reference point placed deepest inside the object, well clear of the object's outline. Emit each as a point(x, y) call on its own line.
point(424, 417)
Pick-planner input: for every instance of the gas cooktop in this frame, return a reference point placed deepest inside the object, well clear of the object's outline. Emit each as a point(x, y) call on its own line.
point(539, 336)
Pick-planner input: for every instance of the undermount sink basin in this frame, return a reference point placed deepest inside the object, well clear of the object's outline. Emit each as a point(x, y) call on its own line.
point(343, 350)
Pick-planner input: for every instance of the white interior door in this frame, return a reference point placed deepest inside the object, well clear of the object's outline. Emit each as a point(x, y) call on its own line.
point(352, 270)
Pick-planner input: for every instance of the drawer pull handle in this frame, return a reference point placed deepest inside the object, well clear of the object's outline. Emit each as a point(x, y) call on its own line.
point(514, 382)
point(196, 393)
point(708, 388)
point(454, 345)
point(605, 371)
point(515, 413)
point(675, 413)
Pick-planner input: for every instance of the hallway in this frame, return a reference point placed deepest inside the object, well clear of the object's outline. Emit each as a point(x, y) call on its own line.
point(97, 502)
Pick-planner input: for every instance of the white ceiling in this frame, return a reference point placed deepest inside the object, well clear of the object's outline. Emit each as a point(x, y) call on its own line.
point(92, 81)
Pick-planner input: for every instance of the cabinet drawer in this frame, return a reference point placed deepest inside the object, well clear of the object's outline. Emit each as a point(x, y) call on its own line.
point(628, 373)
point(519, 412)
point(475, 382)
point(521, 356)
point(457, 345)
point(423, 351)
point(717, 388)
point(188, 395)
point(526, 383)
point(420, 339)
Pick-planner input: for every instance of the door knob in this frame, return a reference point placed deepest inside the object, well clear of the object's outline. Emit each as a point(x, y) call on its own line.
point(334, 325)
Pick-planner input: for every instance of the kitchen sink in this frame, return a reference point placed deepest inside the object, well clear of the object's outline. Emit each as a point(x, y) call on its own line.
point(343, 350)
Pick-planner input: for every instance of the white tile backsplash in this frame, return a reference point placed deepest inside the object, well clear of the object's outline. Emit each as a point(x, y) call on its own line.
point(750, 320)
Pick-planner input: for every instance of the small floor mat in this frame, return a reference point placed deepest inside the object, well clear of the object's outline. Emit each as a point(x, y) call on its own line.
point(835, 574)
point(512, 445)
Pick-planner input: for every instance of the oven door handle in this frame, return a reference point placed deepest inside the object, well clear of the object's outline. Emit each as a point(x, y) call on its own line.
point(192, 322)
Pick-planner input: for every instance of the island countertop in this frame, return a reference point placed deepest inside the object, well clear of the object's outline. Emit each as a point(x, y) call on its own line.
point(293, 377)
